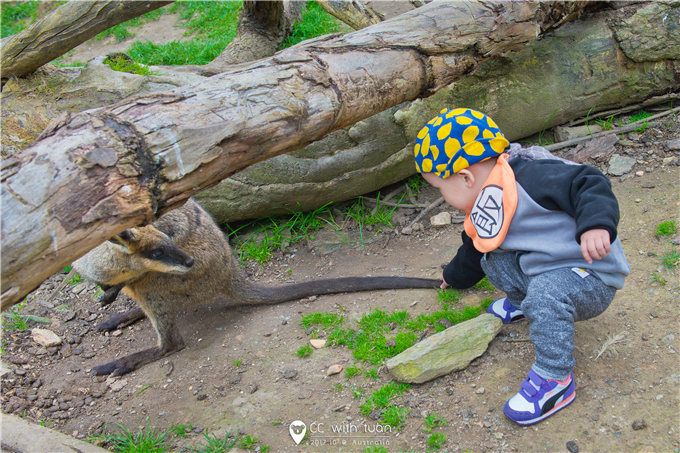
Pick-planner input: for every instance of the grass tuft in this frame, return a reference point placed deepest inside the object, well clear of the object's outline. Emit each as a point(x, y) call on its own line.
point(147, 440)
point(667, 228)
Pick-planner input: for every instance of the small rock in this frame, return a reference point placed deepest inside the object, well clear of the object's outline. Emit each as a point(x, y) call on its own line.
point(572, 447)
point(45, 337)
point(44, 303)
point(92, 317)
point(316, 343)
point(669, 161)
point(19, 371)
point(201, 397)
point(290, 374)
point(334, 369)
point(480, 391)
point(407, 231)
point(673, 144)
point(117, 333)
point(69, 316)
point(252, 388)
point(619, 165)
point(79, 288)
point(375, 414)
point(18, 360)
point(653, 314)
point(449, 391)
point(595, 417)
point(301, 396)
point(238, 402)
point(235, 379)
point(639, 424)
point(639, 173)
point(116, 385)
point(441, 219)
point(562, 134)
point(446, 323)
point(645, 336)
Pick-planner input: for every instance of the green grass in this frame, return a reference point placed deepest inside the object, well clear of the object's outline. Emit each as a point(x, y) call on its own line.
point(213, 25)
point(658, 279)
point(352, 371)
point(375, 449)
point(16, 322)
point(121, 64)
point(607, 124)
point(395, 416)
point(671, 259)
point(639, 116)
point(238, 363)
point(485, 285)
point(314, 22)
point(667, 228)
point(372, 373)
point(433, 421)
point(181, 430)
point(305, 351)
point(75, 279)
point(214, 444)
point(382, 399)
point(16, 16)
point(415, 183)
point(248, 442)
point(437, 441)
point(147, 440)
point(540, 134)
point(368, 342)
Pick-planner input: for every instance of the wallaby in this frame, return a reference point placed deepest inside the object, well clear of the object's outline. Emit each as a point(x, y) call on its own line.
point(182, 260)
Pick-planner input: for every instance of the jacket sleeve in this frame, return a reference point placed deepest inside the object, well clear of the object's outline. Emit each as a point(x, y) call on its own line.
point(465, 269)
point(581, 191)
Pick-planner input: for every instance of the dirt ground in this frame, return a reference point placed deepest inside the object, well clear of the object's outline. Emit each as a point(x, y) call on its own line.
point(201, 385)
point(636, 379)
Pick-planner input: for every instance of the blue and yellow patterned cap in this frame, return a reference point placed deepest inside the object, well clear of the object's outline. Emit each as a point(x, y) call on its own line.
point(456, 139)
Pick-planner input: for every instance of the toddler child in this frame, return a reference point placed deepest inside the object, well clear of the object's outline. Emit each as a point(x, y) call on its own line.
point(543, 231)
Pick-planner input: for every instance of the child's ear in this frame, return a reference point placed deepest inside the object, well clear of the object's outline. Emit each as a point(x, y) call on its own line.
point(468, 177)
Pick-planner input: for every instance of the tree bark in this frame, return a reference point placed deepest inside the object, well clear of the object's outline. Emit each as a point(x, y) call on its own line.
point(122, 165)
point(262, 27)
point(352, 12)
point(65, 28)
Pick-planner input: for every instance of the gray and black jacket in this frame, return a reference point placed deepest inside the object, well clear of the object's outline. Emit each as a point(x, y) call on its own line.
point(556, 204)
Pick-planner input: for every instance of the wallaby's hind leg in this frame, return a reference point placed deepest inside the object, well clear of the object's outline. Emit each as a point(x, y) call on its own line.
point(121, 320)
point(170, 341)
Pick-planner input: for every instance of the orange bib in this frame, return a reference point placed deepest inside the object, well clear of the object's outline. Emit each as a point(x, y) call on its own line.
point(488, 222)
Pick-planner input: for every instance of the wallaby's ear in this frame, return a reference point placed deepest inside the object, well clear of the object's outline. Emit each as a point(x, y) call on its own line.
point(125, 239)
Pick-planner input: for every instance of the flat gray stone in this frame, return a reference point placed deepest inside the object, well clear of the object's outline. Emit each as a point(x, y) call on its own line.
point(673, 144)
point(450, 350)
point(20, 436)
point(620, 165)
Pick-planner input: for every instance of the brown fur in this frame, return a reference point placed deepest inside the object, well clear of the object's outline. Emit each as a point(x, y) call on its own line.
point(162, 288)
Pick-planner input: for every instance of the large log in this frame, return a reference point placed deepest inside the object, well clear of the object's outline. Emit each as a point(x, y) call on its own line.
point(63, 29)
point(92, 175)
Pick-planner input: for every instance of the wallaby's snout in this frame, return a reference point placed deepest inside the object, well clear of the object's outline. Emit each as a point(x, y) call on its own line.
point(189, 262)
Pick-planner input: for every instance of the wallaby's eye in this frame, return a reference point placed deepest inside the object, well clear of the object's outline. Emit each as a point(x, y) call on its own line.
point(157, 254)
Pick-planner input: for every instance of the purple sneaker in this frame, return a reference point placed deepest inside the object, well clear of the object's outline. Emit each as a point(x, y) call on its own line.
point(539, 399)
point(503, 309)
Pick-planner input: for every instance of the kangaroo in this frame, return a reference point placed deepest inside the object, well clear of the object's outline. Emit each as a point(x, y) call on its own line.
point(182, 260)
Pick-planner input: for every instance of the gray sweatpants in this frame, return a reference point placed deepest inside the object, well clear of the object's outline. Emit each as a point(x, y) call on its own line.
point(552, 302)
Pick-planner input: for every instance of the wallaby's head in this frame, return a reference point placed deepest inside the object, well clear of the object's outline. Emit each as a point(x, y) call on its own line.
point(151, 250)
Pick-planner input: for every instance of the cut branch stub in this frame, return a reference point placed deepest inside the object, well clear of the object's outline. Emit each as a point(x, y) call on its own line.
point(67, 193)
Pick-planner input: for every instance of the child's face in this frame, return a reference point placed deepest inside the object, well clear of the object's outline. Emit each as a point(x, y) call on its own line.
point(459, 190)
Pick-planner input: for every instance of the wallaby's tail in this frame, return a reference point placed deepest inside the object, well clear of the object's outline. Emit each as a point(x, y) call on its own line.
point(258, 294)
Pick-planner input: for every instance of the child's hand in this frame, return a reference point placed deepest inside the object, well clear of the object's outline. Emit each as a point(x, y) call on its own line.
point(444, 285)
point(595, 244)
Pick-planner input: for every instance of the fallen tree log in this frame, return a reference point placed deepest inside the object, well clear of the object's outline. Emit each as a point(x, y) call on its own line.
point(63, 29)
point(94, 174)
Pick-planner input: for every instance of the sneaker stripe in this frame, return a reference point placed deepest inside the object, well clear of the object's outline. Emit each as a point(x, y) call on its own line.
point(548, 406)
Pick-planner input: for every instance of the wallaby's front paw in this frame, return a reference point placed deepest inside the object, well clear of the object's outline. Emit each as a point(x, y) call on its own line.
point(108, 325)
point(115, 368)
